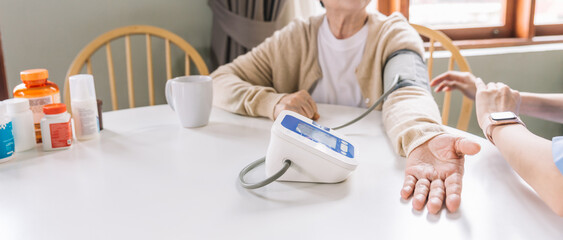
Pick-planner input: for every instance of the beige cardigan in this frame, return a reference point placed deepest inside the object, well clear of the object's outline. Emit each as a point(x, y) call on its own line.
point(287, 62)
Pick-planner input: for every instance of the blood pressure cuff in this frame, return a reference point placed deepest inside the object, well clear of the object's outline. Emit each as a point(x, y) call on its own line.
point(410, 66)
point(557, 152)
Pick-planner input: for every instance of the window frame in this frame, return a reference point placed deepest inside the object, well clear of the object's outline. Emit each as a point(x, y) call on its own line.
point(518, 28)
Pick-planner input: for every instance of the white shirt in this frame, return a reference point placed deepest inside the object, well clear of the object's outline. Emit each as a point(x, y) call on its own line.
point(339, 59)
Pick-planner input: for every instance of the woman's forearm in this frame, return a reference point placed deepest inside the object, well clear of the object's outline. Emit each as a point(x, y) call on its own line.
point(531, 157)
point(544, 106)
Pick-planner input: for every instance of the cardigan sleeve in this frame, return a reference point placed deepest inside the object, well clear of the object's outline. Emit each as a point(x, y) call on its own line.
point(411, 117)
point(410, 114)
point(246, 86)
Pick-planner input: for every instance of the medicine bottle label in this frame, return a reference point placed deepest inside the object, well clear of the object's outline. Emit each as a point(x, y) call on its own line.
point(6, 140)
point(61, 134)
point(36, 105)
point(85, 120)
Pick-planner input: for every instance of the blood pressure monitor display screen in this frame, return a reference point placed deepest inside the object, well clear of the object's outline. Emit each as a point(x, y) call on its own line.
point(316, 134)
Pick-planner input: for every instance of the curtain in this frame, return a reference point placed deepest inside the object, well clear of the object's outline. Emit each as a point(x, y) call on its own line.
point(240, 25)
point(3, 80)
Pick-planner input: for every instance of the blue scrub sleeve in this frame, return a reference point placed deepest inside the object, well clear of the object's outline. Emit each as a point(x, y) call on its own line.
point(557, 151)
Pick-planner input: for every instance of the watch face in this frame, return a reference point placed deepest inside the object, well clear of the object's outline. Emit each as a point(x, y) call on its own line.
point(499, 116)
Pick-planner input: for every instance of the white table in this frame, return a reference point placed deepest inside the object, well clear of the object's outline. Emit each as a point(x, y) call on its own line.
point(148, 178)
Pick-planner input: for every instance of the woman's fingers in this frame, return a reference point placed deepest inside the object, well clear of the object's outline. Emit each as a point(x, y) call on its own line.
point(408, 186)
point(436, 196)
point(421, 190)
point(453, 191)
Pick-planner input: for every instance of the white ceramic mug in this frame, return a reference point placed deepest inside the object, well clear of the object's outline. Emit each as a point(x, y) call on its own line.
point(191, 98)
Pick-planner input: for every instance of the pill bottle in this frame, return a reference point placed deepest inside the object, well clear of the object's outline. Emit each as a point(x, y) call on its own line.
point(55, 127)
point(39, 91)
point(84, 106)
point(22, 123)
point(6, 136)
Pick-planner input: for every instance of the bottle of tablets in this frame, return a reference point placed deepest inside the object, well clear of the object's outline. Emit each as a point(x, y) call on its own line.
point(39, 91)
point(84, 106)
point(56, 128)
point(22, 123)
point(6, 136)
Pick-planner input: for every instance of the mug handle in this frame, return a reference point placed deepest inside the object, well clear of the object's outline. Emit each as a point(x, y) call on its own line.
point(168, 93)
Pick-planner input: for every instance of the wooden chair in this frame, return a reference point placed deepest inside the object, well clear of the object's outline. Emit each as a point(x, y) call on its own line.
point(456, 58)
point(84, 58)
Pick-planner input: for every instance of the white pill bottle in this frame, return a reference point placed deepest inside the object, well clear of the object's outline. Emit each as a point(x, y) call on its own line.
point(22, 123)
point(84, 106)
point(6, 135)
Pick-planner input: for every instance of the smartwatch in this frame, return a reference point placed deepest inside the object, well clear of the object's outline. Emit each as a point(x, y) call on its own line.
point(498, 119)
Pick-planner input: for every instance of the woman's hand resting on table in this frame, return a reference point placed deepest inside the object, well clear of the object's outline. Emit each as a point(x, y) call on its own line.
point(300, 102)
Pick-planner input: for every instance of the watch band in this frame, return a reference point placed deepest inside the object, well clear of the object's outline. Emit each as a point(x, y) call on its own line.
point(488, 131)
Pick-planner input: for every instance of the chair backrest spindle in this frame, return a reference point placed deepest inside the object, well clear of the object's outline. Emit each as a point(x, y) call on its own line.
point(130, 87)
point(111, 76)
point(168, 61)
point(456, 58)
point(187, 71)
point(84, 57)
point(149, 69)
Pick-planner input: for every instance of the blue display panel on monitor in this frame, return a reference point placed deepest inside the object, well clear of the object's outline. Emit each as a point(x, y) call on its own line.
point(318, 134)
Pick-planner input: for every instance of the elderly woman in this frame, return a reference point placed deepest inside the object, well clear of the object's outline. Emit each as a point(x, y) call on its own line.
point(349, 57)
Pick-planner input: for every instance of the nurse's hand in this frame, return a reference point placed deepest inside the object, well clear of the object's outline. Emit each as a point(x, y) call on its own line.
point(462, 81)
point(300, 102)
point(434, 171)
point(495, 97)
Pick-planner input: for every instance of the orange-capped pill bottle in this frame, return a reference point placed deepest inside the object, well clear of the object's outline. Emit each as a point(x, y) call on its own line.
point(40, 92)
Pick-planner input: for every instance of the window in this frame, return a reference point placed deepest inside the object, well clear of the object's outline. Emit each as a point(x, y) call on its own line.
point(456, 14)
point(548, 12)
point(548, 17)
point(485, 22)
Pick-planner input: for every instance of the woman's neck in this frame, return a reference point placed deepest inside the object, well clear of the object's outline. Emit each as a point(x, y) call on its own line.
point(345, 24)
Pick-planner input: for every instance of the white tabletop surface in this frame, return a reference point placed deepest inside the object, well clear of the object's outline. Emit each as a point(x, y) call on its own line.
point(146, 177)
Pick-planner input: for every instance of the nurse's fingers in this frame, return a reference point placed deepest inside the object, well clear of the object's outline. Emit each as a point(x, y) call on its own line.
point(420, 193)
point(480, 84)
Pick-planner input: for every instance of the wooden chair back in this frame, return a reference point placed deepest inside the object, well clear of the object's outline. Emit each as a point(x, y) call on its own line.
point(84, 58)
point(456, 58)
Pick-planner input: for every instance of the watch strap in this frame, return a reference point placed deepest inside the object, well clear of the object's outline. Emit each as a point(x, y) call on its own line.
point(488, 131)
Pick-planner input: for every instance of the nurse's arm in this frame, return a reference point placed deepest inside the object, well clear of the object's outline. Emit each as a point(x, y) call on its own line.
point(531, 157)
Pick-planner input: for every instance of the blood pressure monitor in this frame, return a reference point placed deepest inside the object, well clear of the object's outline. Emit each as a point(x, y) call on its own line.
point(301, 150)
point(317, 153)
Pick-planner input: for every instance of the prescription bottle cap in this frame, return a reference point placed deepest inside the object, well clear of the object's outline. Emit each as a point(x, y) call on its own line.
point(17, 105)
point(82, 87)
point(54, 108)
point(34, 74)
